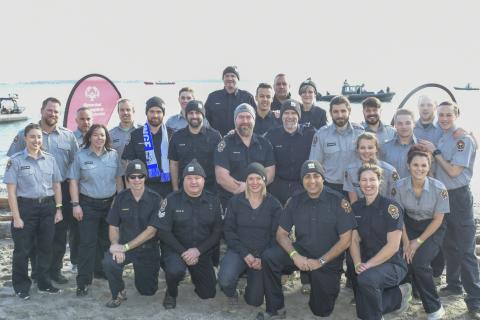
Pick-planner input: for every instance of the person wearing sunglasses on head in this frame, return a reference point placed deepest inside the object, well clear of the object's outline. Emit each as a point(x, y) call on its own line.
point(133, 222)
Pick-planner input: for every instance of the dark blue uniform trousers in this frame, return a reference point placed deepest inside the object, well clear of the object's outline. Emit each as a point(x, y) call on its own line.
point(202, 273)
point(94, 242)
point(146, 264)
point(459, 246)
point(325, 284)
point(231, 268)
point(376, 290)
point(38, 219)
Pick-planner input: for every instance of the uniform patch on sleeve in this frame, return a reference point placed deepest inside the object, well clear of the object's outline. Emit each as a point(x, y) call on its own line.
point(393, 192)
point(15, 140)
point(163, 205)
point(393, 211)
point(9, 164)
point(346, 206)
point(395, 176)
point(221, 146)
point(315, 140)
point(444, 194)
point(460, 145)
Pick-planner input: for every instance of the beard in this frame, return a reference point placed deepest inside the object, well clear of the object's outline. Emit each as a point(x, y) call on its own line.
point(154, 122)
point(372, 121)
point(340, 122)
point(195, 123)
point(50, 121)
point(245, 131)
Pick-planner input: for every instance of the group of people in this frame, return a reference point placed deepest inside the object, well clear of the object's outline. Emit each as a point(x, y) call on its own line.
point(268, 176)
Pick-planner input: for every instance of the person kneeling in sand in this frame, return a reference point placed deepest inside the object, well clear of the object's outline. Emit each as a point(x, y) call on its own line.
point(133, 221)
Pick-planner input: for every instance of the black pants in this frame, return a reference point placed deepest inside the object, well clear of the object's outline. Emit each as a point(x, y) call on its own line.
point(325, 283)
point(203, 274)
point(420, 268)
point(459, 246)
point(146, 264)
point(232, 267)
point(94, 240)
point(376, 290)
point(284, 189)
point(38, 219)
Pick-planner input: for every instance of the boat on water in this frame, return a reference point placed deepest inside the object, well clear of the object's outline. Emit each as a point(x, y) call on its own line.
point(10, 110)
point(357, 93)
point(150, 83)
point(467, 87)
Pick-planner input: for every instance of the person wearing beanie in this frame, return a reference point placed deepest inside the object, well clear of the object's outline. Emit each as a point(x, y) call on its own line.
point(265, 119)
point(291, 147)
point(149, 143)
point(251, 221)
point(318, 251)
point(237, 150)
point(190, 229)
point(334, 145)
point(312, 115)
point(197, 140)
point(133, 240)
point(281, 86)
point(221, 104)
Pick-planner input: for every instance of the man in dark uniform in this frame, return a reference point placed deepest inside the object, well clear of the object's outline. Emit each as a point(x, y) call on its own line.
point(237, 150)
point(149, 143)
point(221, 104)
point(190, 228)
point(133, 221)
point(321, 240)
point(312, 115)
point(61, 143)
point(281, 86)
point(291, 145)
point(265, 118)
point(195, 141)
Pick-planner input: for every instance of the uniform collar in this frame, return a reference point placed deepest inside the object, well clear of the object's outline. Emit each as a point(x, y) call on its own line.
point(381, 126)
point(375, 204)
point(203, 129)
point(26, 155)
point(269, 115)
point(420, 125)
point(235, 93)
point(78, 133)
point(348, 130)
point(186, 197)
point(90, 151)
point(300, 130)
point(426, 185)
point(413, 140)
point(289, 96)
point(238, 140)
point(322, 197)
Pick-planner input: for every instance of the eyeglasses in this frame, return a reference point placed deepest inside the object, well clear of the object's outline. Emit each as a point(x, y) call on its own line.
point(135, 176)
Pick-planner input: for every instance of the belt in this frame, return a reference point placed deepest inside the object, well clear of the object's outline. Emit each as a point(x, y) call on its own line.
point(84, 197)
point(36, 200)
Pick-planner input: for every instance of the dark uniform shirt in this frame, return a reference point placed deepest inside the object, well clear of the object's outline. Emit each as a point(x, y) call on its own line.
point(248, 230)
point(316, 117)
point(187, 222)
point(262, 125)
point(185, 146)
point(34, 178)
point(290, 150)
point(135, 149)
point(220, 106)
point(132, 217)
point(232, 154)
point(277, 104)
point(60, 143)
point(318, 223)
point(374, 221)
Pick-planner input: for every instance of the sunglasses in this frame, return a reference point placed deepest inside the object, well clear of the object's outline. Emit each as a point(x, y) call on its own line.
point(136, 176)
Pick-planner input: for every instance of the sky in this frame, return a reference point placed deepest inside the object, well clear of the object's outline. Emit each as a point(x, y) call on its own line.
point(377, 41)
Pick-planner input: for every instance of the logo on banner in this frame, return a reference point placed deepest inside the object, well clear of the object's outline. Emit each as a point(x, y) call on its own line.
point(92, 93)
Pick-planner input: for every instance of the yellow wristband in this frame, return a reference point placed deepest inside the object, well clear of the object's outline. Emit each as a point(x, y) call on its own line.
point(126, 247)
point(420, 241)
point(357, 264)
point(292, 253)
point(58, 206)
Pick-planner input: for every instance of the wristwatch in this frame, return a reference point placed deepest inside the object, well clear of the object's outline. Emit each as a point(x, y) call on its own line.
point(322, 261)
point(436, 152)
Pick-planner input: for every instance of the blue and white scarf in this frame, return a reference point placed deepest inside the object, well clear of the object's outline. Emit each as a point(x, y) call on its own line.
point(152, 165)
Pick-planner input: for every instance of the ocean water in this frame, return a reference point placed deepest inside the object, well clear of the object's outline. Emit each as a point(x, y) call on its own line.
point(32, 94)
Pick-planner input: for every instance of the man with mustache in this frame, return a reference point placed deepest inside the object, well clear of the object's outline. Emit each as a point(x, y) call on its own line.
point(196, 141)
point(62, 144)
point(221, 104)
point(372, 110)
point(334, 145)
point(237, 150)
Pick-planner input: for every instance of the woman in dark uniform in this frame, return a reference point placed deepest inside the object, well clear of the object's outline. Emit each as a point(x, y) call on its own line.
point(251, 223)
point(95, 176)
point(35, 198)
point(425, 201)
point(375, 250)
point(311, 115)
point(367, 151)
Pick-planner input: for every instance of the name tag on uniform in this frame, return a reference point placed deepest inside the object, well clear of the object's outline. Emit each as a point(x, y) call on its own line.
point(24, 167)
point(179, 211)
point(218, 103)
point(236, 152)
point(331, 144)
point(279, 146)
point(116, 140)
point(125, 209)
point(88, 162)
point(181, 144)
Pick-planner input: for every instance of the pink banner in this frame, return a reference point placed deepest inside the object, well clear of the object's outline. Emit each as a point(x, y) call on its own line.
point(96, 92)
